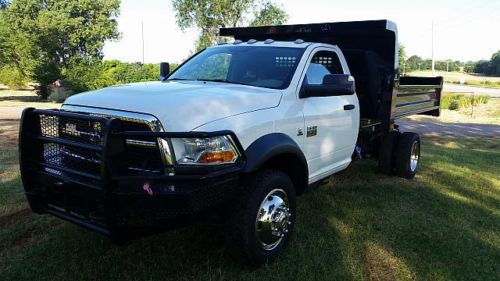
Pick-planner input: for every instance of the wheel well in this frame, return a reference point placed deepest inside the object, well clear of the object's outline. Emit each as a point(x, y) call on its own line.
point(291, 165)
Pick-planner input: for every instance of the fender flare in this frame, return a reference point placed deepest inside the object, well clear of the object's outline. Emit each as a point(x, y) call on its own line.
point(269, 146)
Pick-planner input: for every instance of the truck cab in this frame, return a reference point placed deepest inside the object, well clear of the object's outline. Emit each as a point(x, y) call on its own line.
point(242, 127)
point(323, 125)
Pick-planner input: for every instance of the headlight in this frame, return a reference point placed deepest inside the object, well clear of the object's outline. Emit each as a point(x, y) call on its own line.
point(204, 151)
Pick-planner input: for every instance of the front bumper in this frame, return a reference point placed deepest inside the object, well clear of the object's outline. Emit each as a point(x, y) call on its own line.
point(105, 198)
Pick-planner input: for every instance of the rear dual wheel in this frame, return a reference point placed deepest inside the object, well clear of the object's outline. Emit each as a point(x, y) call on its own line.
point(407, 155)
point(386, 152)
point(399, 154)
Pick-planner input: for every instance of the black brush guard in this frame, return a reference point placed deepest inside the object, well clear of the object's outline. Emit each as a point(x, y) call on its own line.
point(72, 168)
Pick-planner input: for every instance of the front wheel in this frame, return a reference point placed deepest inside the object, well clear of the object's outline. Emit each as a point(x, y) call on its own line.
point(407, 155)
point(263, 220)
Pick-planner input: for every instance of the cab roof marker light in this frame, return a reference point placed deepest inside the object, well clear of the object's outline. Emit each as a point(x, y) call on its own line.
point(299, 41)
point(269, 41)
point(252, 41)
point(236, 42)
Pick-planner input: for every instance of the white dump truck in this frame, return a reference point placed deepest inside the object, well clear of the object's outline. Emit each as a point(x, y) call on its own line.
point(242, 128)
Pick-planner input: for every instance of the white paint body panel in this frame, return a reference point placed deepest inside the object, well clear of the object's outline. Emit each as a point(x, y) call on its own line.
point(250, 112)
point(181, 105)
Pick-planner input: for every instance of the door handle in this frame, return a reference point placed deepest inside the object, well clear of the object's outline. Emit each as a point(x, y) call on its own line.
point(349, 107)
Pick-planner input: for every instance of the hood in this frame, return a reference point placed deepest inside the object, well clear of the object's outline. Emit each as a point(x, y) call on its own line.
point(181, 105)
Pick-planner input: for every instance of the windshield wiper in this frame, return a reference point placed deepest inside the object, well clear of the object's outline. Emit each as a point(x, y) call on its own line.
point(177, 79)
point(210, 80)
point(223, 81)
point(214, 80)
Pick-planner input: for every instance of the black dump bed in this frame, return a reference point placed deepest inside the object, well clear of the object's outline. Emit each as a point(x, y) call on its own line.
point(371, 51)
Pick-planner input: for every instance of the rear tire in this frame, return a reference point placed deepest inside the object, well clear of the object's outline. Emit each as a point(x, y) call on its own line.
point(407, 155)
point(386, 152)
point(252, 234)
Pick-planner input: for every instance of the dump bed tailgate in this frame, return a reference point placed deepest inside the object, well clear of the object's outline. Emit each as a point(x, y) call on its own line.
point(417, 95)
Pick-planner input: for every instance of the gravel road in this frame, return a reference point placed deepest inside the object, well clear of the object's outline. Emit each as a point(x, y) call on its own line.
point(11, 112)
point(450, 130)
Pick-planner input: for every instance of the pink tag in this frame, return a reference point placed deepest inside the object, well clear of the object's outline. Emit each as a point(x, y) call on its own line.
point(147, 188)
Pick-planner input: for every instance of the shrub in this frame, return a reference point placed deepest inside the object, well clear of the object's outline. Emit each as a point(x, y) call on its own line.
point(453, 105)
point(446, 101)
point(457, 102)
point(486, 83)
point(13, 78)
point(81, 77)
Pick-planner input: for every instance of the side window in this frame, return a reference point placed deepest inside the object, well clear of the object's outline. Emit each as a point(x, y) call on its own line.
point(322, 63)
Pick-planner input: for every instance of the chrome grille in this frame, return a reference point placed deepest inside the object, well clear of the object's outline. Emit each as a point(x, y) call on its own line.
point(141, 156)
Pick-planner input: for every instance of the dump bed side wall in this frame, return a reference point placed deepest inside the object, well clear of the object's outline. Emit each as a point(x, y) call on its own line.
point(417, 95)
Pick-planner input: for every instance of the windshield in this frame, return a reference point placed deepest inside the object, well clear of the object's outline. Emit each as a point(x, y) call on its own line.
point(269, 67)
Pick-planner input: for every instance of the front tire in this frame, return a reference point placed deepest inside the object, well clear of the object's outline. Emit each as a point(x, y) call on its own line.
point(263, 220)
point(407, 155)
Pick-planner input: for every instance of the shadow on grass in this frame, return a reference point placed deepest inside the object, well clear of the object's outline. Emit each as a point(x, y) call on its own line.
point(441, 226)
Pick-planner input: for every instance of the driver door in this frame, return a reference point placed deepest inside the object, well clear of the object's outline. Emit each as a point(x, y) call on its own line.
point(331, 122)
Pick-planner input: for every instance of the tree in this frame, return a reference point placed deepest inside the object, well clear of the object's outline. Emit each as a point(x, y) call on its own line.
point(269, 14)
point(208, 15)
point(413, 63)
point(3, 4)
point(3, 33)
point(495, 64)
point(401, 57)
point(469, 66)
point(44, 37)
point(483, 67)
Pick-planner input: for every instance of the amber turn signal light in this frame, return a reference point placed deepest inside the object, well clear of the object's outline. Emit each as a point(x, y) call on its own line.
point(214, 157)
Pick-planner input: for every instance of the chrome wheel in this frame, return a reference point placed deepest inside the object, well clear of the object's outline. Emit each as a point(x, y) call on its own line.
point(414, 156)
point(273, 219)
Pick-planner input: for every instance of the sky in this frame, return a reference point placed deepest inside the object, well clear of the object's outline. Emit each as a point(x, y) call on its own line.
point(463, 29)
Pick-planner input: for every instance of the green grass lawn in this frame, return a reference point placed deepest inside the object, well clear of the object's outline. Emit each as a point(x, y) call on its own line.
point(443, 225)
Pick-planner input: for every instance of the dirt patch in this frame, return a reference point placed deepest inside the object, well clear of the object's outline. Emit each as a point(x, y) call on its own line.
point(20, 239)
point(379, 267)
point(494, 146)
point(26, 236)
point(9, 131)
point(382, 264)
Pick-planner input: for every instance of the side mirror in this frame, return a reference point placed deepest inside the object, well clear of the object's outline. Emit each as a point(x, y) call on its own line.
point(164, 70)
point(333, 85)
